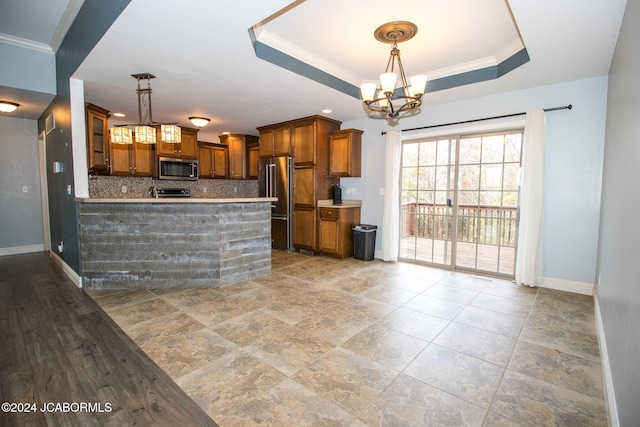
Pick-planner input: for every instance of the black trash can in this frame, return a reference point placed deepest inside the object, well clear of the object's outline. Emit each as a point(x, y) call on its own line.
point(364, 241)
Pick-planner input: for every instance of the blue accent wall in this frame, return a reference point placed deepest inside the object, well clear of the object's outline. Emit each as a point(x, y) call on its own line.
point(93, 20)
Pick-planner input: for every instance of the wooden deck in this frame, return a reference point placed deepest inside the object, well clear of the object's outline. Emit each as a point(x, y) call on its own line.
point(59, 347)
point(433, 251)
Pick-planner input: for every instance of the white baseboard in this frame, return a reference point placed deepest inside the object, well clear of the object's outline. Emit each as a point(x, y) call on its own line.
point(16, 250)
point(568, 286)
point(609, 393)
point(75, 278)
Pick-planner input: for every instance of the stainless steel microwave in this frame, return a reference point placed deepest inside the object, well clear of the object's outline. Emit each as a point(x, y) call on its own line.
point(177, 169)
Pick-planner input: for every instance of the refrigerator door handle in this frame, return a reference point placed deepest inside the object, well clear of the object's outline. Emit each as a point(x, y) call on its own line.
point(266, 181)
point(270, 182)
point(274, 193)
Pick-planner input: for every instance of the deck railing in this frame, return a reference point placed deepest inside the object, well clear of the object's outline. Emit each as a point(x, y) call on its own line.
point(492, 225)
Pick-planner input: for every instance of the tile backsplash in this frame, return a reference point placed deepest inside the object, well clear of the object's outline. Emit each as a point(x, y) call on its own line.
point(125, 187)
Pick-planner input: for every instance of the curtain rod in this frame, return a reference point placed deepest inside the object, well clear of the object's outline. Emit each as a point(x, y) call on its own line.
point(565, 107)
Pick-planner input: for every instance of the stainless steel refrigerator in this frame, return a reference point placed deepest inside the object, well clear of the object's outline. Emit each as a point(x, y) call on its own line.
point(275, 177)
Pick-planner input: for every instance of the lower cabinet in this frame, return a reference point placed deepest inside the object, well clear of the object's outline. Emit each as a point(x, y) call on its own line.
point(335, 230)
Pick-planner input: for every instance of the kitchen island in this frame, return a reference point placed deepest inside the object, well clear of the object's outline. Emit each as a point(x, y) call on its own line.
point(173, 243)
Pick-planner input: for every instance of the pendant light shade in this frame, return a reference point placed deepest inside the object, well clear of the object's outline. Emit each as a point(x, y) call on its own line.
point(171, 134)
point(120, 135)
point(388, 82)
point(145, 129)
point(145, 135)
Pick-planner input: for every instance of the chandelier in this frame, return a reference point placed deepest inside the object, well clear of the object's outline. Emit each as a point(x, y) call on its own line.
point(383, 97)
point(145, 132)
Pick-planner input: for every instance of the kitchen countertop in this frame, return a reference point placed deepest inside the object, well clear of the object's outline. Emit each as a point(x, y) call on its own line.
point(346, 203)
point(180, 200)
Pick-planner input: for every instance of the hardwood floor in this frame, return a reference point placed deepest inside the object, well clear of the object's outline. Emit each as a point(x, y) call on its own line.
point(59, 348)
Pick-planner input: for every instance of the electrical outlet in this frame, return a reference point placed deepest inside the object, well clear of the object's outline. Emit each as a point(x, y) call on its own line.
point(124, 189)
point(69, 189)
point(235, 189)
point(61, 246)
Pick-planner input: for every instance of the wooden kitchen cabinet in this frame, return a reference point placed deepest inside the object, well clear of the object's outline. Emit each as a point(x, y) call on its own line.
point(304, 228)
point(132, 159)
point(254, 157)
point(275, 140)
point(97, 122)
point(307, 140)
point(304, 187)
point(304, 148)
point(345, 153)
point(212, 160)
point(240, 160)
point(335, 230)
point(187, 149)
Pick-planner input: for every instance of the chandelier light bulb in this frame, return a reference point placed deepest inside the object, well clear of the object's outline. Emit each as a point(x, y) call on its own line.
point(368, 91)
point(418, 84)
point(388, 82)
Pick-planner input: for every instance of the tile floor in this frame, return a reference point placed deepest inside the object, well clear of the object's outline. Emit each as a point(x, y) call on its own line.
point(323, 342)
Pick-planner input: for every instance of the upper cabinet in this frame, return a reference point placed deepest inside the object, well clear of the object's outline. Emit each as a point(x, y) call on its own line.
point(275, 140)
point(345, 153)
point(187, 149)
point(213, 160)
point(132, 159)
point(254, 156)
point(97, 120)
point(241, 161)
point(304, 142)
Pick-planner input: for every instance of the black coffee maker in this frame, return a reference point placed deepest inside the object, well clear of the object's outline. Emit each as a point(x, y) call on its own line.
point(336, 190)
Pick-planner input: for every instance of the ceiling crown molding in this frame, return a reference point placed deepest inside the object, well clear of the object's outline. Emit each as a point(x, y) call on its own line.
point(24, 43)
point(297, 52)
point(69, 15)
point(288, 55)
point(478, 64)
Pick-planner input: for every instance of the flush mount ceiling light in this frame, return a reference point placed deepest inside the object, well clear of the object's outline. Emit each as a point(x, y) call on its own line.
point(382, 97)
point(199, 121)
point(8, 106)
point(145, 133)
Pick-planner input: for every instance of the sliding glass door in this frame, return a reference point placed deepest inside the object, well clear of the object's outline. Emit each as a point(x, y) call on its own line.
point(459, 201)
point(426, 209)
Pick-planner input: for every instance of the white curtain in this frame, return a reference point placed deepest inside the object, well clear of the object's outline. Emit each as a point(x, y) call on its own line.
point(529, 254)
point(391, 213)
